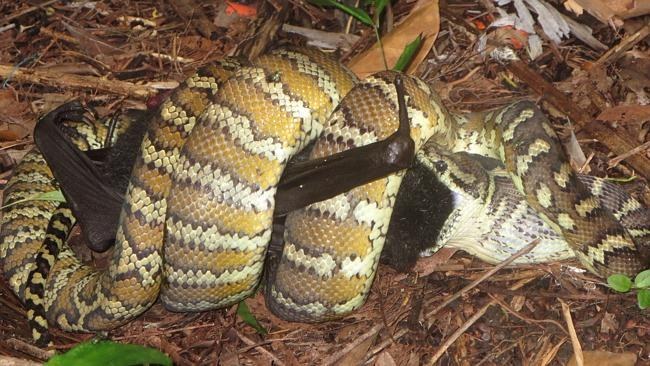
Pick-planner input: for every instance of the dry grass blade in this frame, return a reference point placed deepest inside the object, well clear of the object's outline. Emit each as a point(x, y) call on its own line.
point(575, 342)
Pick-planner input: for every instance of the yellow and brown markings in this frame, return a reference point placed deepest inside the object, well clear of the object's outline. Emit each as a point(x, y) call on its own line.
point(23, 224)
point(336, 270)
point(131, 282)
point(219, 218)
point(531, 154)
point(212, 187)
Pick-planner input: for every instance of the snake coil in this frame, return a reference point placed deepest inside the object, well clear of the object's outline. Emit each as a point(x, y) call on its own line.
point(196, 221)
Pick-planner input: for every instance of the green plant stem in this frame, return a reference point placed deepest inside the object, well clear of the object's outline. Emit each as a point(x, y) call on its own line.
point(381, 46)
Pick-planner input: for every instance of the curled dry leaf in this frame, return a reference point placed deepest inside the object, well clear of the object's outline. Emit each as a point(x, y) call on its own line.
point(423, 20)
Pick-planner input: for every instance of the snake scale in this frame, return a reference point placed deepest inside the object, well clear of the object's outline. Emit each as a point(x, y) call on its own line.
point(196, 221)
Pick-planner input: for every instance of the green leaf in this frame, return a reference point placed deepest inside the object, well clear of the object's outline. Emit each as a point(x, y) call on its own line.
point(379, 7)
point(56, 196)
point(360, 14)
point(619, 282)
point(245, 314)
point(642, 280)
point(407, 55)
point(643, 297)
point(110, 354)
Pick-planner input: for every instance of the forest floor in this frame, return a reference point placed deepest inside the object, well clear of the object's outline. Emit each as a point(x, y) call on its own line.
point(118, 54)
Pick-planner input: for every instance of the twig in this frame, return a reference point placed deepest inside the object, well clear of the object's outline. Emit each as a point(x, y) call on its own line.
point(625, 44)
point(577, 349)
point(332, 360)
point(615, 160)
point(487, 274)
point(27, 11)
point(512, 311)
point(61, 80)
point(449, 341)
point(26, 348)
point(260, 349)
point(550, 355)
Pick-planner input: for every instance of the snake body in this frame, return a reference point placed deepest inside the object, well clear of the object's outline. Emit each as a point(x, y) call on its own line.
point(196, 221)
point(487, 216)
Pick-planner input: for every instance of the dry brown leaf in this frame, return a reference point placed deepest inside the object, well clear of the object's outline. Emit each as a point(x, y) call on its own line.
point(628, 8)
point(357, 355)
point(385, 359)
point(604, 358)
point(625, 114)
point(14, 125)
point(608, 324)
point(414, 359)
point(600, 10)
point(424, 19)
point(346, 333)
point(426, 266)
point(197, 43)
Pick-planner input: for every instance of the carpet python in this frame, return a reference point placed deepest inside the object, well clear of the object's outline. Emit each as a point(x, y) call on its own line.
point(469, 202)
point(196, 222)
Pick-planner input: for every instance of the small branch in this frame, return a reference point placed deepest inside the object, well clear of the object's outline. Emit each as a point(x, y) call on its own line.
point(614, 161)
point(449, 341)
point(577, 349)
point(452, 338)
point(624, 45)
point(487, 274)
point(70, 81)
point(29, 349)
point(26, 11)
point(273, 358)
point(334, 359)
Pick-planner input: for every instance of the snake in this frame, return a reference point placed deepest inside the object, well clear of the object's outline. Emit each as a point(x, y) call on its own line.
point(469, 202)
point(197, 217)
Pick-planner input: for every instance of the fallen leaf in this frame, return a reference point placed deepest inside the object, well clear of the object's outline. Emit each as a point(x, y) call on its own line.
point(357, 355)
point(605, 358)
point(608, 324)
point(385, 359)
point(624, 114)
point(426, 266)
point(423, 20)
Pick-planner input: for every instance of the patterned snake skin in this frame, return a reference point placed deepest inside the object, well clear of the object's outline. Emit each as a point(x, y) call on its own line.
point(196, 223)
point(491, 219)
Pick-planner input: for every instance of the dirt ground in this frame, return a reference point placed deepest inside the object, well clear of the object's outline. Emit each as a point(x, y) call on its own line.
point(516, 316)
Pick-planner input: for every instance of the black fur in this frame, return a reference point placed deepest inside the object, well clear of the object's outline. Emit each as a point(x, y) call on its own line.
point(422, 206)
